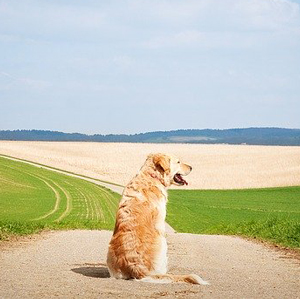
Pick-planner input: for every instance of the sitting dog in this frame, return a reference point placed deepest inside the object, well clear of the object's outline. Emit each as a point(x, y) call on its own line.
point(138, 248)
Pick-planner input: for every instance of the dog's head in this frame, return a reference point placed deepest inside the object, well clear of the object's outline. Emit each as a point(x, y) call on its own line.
point(170, 168)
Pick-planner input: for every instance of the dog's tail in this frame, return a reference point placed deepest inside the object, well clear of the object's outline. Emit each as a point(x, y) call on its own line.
point(169, 278)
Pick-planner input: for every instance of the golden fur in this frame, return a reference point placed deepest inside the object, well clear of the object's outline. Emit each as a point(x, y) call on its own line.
point(138, 248)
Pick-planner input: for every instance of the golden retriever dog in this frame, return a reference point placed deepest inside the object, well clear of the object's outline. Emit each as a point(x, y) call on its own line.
point(138, 248)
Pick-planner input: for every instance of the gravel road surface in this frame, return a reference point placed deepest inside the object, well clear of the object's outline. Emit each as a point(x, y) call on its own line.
point(71, 264)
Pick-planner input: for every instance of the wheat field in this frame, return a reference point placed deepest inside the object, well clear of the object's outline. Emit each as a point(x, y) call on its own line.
point(214, 166)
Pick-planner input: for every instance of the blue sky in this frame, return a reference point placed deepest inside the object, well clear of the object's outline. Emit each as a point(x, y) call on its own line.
point(135, 66)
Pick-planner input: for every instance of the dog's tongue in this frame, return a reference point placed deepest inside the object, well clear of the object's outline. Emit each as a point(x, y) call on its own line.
point(181, 179)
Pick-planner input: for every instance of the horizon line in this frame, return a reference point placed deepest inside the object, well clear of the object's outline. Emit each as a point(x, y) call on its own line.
point(145, 132)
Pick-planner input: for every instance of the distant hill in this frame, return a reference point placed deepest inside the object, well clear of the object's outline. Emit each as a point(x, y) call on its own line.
point(259, 136)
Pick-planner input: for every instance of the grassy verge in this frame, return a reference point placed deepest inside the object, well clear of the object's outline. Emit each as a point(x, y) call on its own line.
point(277, 231)
point(271, 214)
point(16, 228)
point(11, 228)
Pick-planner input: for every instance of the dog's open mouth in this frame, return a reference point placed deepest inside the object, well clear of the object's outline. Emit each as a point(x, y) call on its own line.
point(179, 180)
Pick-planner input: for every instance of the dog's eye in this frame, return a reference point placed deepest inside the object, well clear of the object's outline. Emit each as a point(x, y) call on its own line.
point(178, 162)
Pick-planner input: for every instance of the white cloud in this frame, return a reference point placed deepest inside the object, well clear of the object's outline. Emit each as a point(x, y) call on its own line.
point(268, 14)
point(204, 40)
point(236, 24)
point(10, 82)
point(50, 18)
point(220, 14)
point(123, 61)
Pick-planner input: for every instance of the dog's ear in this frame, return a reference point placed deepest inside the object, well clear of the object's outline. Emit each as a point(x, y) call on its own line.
point(162, 163)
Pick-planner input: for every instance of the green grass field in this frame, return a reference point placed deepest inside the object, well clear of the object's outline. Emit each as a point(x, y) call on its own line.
point(271, 214)
point(33, 198)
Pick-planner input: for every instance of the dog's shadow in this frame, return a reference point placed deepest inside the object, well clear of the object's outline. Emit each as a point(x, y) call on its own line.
point(93, 270)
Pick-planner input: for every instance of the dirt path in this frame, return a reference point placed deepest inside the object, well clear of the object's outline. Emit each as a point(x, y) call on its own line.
point(69, 264)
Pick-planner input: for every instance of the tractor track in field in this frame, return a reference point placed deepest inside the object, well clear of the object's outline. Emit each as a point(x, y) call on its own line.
point(57, 200)
point(46, 182)
point(16, 184)
point(68, 204)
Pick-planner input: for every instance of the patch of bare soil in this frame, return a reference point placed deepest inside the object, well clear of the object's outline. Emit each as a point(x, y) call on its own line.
point(70, 264)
